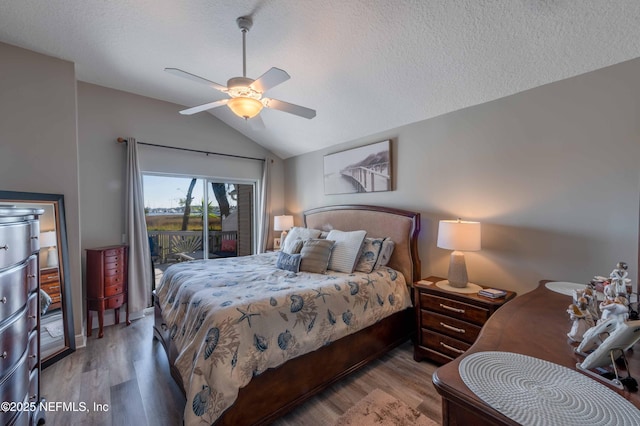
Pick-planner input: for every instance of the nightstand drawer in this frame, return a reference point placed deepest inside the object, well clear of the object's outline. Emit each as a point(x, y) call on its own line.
point(49, 277)
point(443, 344)
point(454, 309)
point(450, 326)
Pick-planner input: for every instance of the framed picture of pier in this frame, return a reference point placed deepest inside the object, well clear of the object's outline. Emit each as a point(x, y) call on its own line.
point(363, 169)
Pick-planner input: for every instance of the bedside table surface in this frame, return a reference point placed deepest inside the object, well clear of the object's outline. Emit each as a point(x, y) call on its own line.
point(463, 297)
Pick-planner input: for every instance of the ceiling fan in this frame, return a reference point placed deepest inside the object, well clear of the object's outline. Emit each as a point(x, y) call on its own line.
point(246, 99)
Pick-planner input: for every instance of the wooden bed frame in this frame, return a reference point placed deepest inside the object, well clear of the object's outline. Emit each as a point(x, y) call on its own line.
point(277, 391)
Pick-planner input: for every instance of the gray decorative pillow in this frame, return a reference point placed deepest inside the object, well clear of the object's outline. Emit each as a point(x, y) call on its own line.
point(369, 255)
point(346, 250)
point(315, 255)
point(298, 233)
point(385, 253)
point(289, 262)
point(293, 247)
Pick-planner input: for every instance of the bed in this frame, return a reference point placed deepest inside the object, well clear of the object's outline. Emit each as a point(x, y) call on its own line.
point(274, 389)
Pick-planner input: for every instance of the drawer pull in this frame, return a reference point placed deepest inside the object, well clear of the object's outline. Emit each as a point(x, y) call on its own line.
point(33, 356)
point(164, 326)
point(35, 237)
point(31, 276)
point(4, 247)
point(33, 397)
point(3, 300)
point(451, 348)
point(31, 317)
point(456, 329)
point(4, 355)
point(50, 277)
point(460, 311)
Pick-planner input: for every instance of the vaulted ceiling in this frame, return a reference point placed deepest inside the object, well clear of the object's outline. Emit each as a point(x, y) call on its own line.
point(366, 66)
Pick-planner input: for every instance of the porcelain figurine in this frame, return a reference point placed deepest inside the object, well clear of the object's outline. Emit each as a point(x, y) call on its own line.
point(617, 308)
point(582, 319)
point(618, 281)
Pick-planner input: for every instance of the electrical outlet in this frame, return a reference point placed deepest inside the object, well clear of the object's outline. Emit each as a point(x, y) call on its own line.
point(124, 238)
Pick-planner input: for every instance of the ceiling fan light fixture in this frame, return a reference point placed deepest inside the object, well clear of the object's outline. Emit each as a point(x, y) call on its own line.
point(245, 107)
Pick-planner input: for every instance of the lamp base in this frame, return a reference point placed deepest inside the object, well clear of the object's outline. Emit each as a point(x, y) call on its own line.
point(457, 270)
point(52, 257)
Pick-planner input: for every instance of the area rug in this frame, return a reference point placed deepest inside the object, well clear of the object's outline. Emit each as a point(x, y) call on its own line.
point(380, 408)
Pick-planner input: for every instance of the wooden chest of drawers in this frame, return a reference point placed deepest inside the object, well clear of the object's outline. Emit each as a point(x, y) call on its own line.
point(449, 323)
point(19, 314)
point(106, 283)
point(50, 284)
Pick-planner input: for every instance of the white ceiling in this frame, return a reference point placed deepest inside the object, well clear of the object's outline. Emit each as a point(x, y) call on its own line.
point(366, 66)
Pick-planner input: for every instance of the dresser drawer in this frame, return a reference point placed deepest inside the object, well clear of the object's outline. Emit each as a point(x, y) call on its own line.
point(15, 387)
point(113, 290)
point(32, 314)
point(51, 288)
point(16, 242)
point(454, 309)
point(13, 291)
point(14, 336)
point(32, 354)
point(114, 302)
point(450, 326)
point(115, 252)
point(113, 272)
point(443, 344)
point(34, 386)
point(114, 280)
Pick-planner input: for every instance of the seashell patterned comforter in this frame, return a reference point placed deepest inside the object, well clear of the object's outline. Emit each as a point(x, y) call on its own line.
point(232, 319)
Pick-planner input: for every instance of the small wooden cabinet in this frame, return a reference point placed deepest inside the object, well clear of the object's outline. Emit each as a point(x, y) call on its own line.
point(448, 323)
point(106, 283)
point(50, 284)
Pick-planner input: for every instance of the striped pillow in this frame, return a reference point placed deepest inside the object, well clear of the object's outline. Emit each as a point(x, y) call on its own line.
point(346, 250)
point(315, 255)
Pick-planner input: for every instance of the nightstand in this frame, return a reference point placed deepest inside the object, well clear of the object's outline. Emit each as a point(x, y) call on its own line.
point(448, 323)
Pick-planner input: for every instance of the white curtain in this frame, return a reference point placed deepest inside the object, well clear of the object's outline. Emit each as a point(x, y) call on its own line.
point(265, 207)
point(140, 277)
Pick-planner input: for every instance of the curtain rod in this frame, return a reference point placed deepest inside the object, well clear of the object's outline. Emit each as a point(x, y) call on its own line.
point(123, 140)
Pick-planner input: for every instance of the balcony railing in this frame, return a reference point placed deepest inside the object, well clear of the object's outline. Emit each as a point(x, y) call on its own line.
point(168, 246)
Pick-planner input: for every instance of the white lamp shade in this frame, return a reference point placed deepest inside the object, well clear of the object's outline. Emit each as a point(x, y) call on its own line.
point(48, 239)
point(282, 223)
point(459, 235)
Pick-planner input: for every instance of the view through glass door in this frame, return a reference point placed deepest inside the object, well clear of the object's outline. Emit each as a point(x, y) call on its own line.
point(178, 210)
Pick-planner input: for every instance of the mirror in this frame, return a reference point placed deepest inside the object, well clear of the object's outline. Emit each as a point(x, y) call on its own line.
point(57, 338)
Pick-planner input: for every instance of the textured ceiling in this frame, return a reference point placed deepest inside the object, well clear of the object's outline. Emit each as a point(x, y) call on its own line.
point(365, 65)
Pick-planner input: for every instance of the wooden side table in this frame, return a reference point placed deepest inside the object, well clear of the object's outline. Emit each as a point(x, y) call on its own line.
point(106, 283)
point(448, 323)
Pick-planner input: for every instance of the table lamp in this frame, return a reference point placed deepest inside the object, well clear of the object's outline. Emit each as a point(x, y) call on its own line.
point(49, 239)
point(283, 223)
point(459, 236)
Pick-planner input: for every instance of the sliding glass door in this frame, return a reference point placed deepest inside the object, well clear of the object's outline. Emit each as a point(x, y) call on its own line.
point(198, 218)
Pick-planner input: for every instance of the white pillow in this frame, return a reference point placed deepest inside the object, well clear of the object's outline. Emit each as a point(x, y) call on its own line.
point(298, 233)
point(346, 249)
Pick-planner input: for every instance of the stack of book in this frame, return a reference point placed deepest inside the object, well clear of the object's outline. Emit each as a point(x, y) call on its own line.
point(492, 293)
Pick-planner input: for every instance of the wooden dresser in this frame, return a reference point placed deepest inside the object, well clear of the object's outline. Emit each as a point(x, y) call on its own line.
point(106, 283)
point(448, 323)
point(19, 316)
point(50, 284)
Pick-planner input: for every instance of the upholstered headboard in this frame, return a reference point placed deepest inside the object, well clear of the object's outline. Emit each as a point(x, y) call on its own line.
point(401, 226)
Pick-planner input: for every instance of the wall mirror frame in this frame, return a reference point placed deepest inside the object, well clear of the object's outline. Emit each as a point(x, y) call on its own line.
point(57, 338)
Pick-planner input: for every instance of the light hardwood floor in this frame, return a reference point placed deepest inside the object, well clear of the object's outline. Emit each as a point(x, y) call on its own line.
point(128, 371)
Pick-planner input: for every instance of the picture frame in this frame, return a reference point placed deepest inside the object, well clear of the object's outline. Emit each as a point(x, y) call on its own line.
point(357, 170)
point(276, 243)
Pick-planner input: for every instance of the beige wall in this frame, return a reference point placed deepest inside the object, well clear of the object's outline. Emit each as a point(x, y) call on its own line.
point(40, 152)
point(552, 173)
point(38, 141)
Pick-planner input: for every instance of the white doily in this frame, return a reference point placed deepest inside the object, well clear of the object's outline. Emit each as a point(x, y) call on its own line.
point(533, 391)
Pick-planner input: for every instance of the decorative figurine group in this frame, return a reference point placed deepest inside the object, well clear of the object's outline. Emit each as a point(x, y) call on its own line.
point(585, 311)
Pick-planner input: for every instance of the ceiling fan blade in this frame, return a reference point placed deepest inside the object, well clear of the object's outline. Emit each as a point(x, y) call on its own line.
point(290, 108)
point(270, 79)
point(193, 77)
point(204, 107)
point(256, 123)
